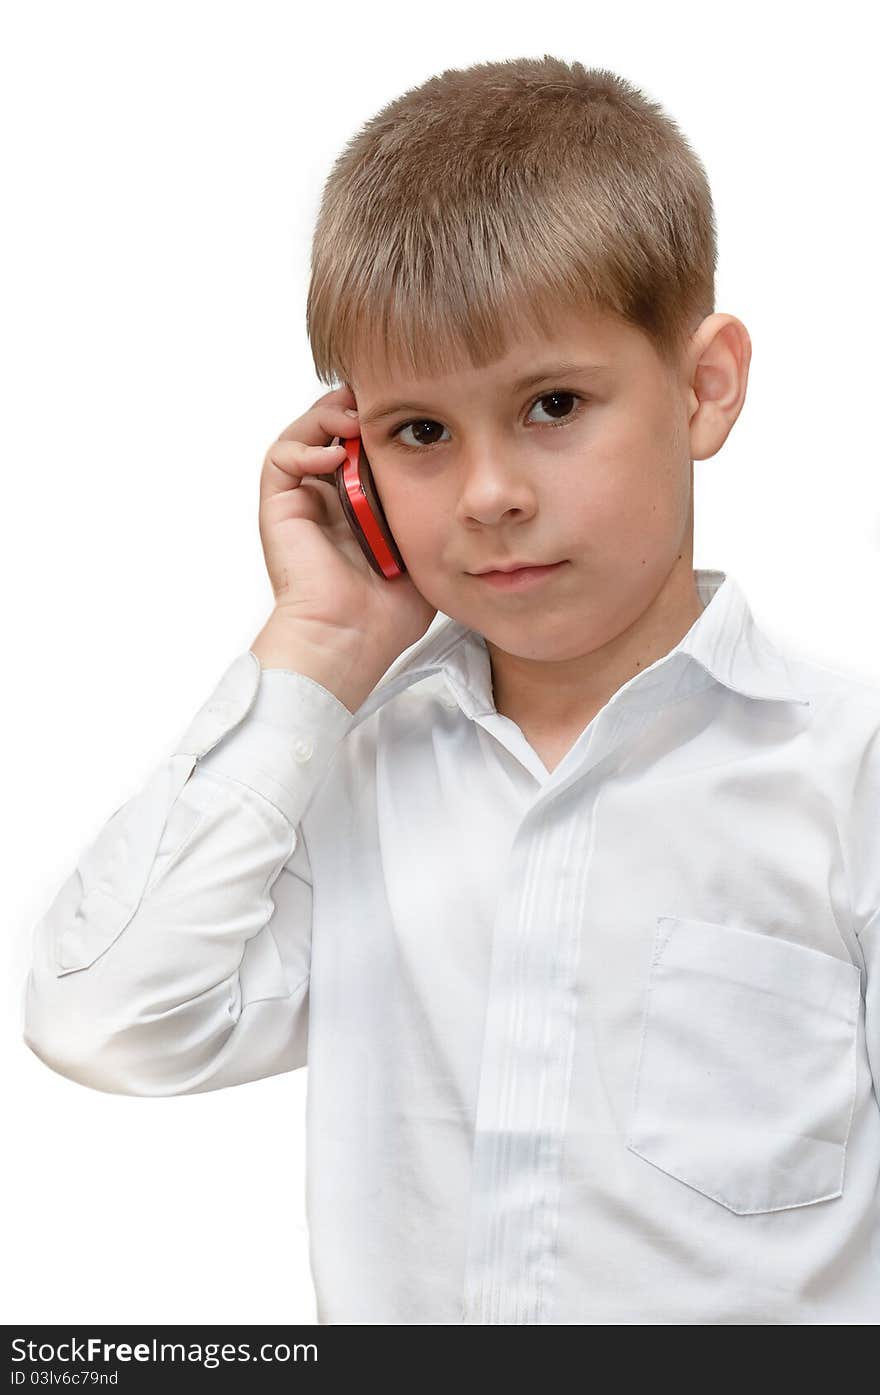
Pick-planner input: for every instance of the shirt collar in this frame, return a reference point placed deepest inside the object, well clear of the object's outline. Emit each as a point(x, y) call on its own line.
point(724, 642)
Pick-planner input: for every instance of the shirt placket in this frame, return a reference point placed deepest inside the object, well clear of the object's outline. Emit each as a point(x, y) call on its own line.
point(529, 1039)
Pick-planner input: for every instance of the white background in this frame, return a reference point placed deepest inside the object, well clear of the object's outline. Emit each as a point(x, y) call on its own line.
point(162, 165)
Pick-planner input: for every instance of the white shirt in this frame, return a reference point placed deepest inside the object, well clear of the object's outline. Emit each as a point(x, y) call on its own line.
point(598, 1046)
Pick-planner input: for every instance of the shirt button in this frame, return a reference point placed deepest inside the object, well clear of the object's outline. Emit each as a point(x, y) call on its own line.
point(303, 750)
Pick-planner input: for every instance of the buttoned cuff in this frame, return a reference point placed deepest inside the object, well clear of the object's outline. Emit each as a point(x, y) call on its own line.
point(273, 730)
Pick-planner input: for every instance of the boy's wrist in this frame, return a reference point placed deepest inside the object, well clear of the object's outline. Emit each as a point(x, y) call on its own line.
point(343, 664)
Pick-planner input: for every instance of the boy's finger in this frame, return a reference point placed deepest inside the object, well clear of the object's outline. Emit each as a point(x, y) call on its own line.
point(320, 424)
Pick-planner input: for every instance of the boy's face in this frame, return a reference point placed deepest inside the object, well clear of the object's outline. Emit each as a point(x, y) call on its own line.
point(590, 468)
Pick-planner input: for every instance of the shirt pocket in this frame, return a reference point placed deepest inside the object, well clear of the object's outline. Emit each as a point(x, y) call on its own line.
point(746, 1072)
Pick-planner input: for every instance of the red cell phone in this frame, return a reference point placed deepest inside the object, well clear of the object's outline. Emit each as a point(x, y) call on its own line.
point(363, 510)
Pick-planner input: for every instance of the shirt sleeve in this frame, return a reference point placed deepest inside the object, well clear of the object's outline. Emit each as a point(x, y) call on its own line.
point(858, 784)
point(175, 957)
point(869, 938)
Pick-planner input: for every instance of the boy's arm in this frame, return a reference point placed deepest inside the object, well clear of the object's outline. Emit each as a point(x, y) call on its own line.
point(175, 958)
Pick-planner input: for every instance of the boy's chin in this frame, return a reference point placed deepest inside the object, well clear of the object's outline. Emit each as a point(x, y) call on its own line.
point(528, 638)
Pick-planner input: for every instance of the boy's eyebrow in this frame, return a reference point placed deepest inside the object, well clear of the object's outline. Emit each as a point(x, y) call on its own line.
point(551, 370)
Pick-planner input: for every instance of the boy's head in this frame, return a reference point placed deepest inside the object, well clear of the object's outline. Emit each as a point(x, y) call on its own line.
point(487, 225)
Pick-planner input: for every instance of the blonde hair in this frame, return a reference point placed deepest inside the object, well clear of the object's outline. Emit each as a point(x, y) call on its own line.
point(493, 197)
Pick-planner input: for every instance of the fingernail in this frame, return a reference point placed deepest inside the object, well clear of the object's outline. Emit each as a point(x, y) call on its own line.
point(350, 412)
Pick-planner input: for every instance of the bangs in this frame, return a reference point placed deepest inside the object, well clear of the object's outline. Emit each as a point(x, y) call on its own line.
point(425, 331)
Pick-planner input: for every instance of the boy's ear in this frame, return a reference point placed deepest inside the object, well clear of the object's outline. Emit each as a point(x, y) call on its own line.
point(719, 374)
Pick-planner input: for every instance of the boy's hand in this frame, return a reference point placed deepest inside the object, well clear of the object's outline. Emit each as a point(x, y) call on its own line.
point(325, 590)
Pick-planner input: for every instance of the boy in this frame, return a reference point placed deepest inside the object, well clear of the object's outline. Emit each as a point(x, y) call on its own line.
point(573, 915)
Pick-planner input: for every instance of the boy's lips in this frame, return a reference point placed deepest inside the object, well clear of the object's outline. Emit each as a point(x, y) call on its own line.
point(512, 567)
point(518, 578)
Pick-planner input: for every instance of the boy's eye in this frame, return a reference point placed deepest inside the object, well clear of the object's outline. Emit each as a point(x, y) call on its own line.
point(423, 428)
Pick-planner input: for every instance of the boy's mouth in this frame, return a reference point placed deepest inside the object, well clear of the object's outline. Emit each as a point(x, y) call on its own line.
point(514, 567)
point(516, 578)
